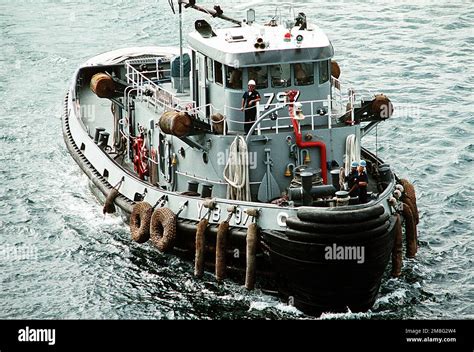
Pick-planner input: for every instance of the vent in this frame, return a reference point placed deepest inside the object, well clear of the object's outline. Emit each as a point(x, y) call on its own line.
point(204, 29)
point(235, 38)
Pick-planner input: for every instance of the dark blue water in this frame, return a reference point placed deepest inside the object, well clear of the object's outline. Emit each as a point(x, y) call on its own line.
point(59, 257)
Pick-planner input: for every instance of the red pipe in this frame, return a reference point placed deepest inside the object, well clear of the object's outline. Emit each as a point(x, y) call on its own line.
point(301, 144)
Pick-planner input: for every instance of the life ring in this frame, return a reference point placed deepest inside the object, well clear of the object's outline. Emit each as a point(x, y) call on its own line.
point(140, 160)
point(140, 222)
point(163, 229)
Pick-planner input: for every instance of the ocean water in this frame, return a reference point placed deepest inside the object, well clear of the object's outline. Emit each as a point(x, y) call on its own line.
point(60, 258)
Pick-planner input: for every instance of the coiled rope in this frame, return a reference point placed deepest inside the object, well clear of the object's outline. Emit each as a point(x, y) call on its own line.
point(236, 172)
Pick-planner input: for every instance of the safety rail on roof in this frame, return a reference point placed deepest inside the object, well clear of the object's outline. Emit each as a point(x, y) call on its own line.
point(149, 90)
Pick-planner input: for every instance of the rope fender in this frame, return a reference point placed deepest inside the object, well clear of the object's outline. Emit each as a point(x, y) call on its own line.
point(397, 259)
point(410, 231)
point(109, 206)
point(409, 197)
point(221, 245)
point(252, 242)
point(200, 246)
point(163, 229)
point(140, 222)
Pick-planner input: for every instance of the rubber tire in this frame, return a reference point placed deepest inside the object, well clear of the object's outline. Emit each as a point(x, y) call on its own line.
point(311, 227)
point(329, 216)
point(316, 237)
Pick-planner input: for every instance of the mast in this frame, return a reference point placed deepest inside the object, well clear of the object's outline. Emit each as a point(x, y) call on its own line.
point(216, 12)
point(181, 65)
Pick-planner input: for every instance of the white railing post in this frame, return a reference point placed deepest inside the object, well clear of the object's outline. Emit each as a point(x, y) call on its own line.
point(312, 116)
point(276, 125)
point(211, 108)
point(329, 112)
point(259, 130)
point(352, 106)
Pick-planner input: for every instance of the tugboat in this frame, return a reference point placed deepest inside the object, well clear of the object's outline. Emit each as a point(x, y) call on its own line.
point(242, 152)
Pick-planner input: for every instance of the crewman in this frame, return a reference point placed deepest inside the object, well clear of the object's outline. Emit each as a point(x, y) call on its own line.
point(352, 180)
point(362, 181)
point(249, 104)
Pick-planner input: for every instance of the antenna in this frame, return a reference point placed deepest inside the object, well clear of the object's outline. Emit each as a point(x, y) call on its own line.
point(181, 66)
point(170, 2)
point(216, 12)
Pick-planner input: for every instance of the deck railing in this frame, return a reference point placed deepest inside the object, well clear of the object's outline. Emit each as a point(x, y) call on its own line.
point(336, 104)
point(149, 90)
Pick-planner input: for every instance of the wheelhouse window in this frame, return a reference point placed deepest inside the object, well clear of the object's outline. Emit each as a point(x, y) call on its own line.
point(210, 69)
point(280, 75)
point(218, 73)
point(259, 75)
point(233, 78)
point(323, 71)
point(304, 74)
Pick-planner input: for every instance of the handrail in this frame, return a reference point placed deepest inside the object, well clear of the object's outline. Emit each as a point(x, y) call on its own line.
point(340, 98)
point(161, 96)
point(260, 119)
point(336, 103)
